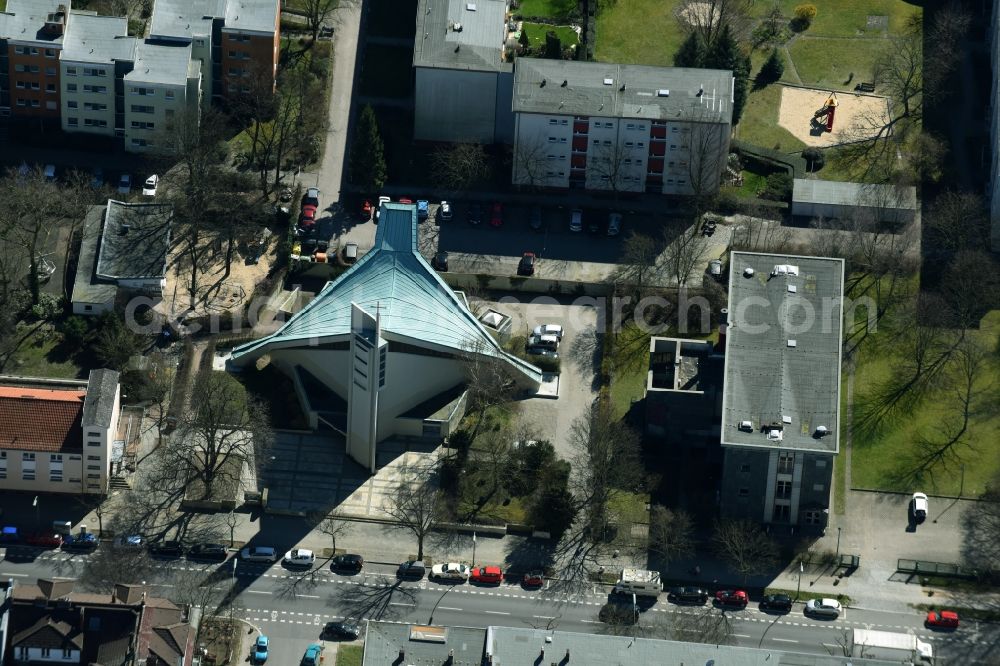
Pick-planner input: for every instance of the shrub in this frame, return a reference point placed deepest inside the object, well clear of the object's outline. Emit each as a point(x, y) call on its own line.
point(815, 159)
point(805, 12)
point(74, 330)
point(771, 70)
point(778, 187)
point(48, 307)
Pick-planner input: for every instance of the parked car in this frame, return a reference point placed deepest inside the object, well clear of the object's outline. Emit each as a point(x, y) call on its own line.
point(350, 253)
point(311, 197)
point(542, 351)
point(823, 608)
point(312, 656)
point(259, 554)
point(366, 210)
point(490, 575)
point(687, 595)
point(348, 630)
point(451, 571)
point(496, 216)
point(549, 329)
point(9, 534)
point(299, 557)
point(715, 269)
point(776, 602)
point(919, 504)
point(166, 548)
point(576, 220)
point(149, 187)
point(308, 212)
point(475, 214)
point(348, 562)
point(440, 261)
point(286, 195)
point(942, 619)
point(527, 264)
point(535, 578)
point(125, 184)
point(208, 551)
point(411, 569)
point(405, 200)
point(97, 180)
point(444, 212)
point(535, 217)
point(423, 209)
point(737, 598)
point(259, 655)
point(593, 225)
point(80, 541)
point(49, 172)
point(378, 211)
point(614, 224)
point(44, 540)
point(130, 542)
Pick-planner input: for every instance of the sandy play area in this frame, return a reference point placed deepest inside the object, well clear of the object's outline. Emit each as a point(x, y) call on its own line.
point(854, 111)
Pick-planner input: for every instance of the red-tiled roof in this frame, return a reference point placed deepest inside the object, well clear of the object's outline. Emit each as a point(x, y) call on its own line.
point(34, 419)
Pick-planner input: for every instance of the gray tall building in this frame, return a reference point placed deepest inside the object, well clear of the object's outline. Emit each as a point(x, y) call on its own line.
point(781, 397)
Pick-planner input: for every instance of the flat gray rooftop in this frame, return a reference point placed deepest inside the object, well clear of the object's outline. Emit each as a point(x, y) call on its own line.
point(181, 19)
point(135, 241)
point(95, 39)
point(86, 287)
point(460, 34)
point(161, 64)
point(854, 194)
point(423, 644)
point(783, 349)
point(570, 87)
point(24, 19)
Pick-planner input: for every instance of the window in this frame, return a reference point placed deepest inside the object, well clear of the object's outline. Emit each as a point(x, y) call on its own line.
point(34, 69)
point(93, 122)
point(94, 106)
point(786, 462)
point(98, 458)
point(744, 468)
point(168, 94)
point(640, 126)
point(136, 108)
point(143, 91)
point(93, 71)
point(20, 85)
point(70, 87)
point(141, 143)
point(55, 457)
point(67, 653)
point(607, 142)
point(19, 50)
point(95, 89)
point(744, 492)
point(553, 139)
point(35, 85)
point(818, 487)
point(630, 126)
point(553, 121)
point(94, 443)
point(821, 463)
point(50, 53)
point(74, 122)
point(28, 457)
point(94, 467)
point(20, 68)
point(55, 475)
point(50, 71)
point(93, 476)
point(629, 144)
point(71, 104)
point(681, 181)
point(50, 87)
point(564, 122)
point(640, 144)
point(34, 51)
point(71, 71)
point(813, 517)
point(673, 147)
point(51, 105)
point(783, 490)
point(597, 142)
point(28, 474)
point(781, 513)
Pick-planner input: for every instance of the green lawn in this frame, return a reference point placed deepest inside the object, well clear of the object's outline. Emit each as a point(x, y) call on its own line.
point(879, 461)
point(759, 124)
point(546, 8)
point(629, 367)
point(846, 18)
point(641, 32)
point(350, 655)
point(41, 355)
point(537, 31)
point(827, 63)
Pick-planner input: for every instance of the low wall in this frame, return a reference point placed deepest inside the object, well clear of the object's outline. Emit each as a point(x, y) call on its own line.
point(533, 285)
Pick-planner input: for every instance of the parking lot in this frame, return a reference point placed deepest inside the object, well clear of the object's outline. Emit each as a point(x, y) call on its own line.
point(579, 355)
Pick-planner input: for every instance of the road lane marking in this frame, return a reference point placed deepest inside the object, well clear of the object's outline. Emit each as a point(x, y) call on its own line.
point(544, 617)
point(307, 596)
point(400, 603)
point(591, 621)
point(783, 640)
point(449, 608)
point(256, 592)
point(16, 575)
point(497, 612)
point(748, 636)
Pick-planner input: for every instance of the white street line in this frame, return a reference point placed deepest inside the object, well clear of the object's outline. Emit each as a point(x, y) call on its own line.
point(15, 575)
point(307, 596)
point(497, 612)
point(748, 636)
point(590, 621)
point(399, 603)
point(544, 617)
point(257, 592)
point(448, 608)
point(784, 640)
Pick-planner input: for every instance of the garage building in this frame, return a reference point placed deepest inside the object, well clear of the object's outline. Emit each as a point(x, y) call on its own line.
point(829, 199)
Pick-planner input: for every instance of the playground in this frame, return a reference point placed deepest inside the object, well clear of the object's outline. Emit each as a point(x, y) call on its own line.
point(823, 118)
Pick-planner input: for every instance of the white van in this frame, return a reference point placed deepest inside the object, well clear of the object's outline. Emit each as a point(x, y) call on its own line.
point(639, 582)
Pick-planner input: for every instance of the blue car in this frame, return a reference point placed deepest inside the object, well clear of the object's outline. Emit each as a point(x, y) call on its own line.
point(9, 535)
point(312, 655)
point(260, 650)
point(84, 541)
point(422, 210)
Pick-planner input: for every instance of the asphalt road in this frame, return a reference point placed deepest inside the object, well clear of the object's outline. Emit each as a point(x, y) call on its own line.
point(291, 607)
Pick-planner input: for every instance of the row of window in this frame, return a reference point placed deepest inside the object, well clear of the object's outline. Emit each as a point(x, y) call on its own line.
point(150, 92)
point(53, 457)
point(31, 50)
point(245, 55)
point(89, 106)
point(87, 122)
point(87, 71)
point(35, 104)
point(34, 85)
point(34, 69)
point(238, 38)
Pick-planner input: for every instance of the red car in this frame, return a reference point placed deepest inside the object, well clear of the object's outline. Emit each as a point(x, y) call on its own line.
point(406, 200)
point(533, 579)
point(496, 218)
point(943, 619)
point(491, 575)
point(44, 540)
point(308, 213)
point(366, 210)
point(732, 598)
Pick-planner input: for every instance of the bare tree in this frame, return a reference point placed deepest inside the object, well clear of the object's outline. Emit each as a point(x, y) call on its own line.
point(415, 505)
point(32, 209)
point(745, 547)
point(489, 382)
point(706, 160)
point(531, 164)
point(320, 12)
point(948, 26)
point(707, 625)
point(333, 526)
point(757, 234)
point(707, 18)
point(684, 252)
point(638, 269)
point(610, 166)
point(461, 165)
point(981, 531)
point(114, 563)
point(955, 221)
point(222, 434)
point(671, 533)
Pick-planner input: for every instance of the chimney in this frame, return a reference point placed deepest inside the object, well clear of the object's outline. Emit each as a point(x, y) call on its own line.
point(55, 23)
point(720, 346)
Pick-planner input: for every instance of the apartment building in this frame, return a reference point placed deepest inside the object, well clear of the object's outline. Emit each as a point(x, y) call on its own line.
point(31, 38)
point(620, 128)
point(164, 84)
point(56, 435)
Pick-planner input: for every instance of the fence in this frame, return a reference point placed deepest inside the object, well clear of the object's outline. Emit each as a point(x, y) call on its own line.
point(926, 568)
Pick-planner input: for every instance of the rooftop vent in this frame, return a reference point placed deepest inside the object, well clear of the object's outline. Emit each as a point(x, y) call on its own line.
point(784, 269)
point(124, 229)
point(746, 426)
point(663, 92)
point(792, 342)
point(471, 6)
point(622, 89)
point(542, 84)
point(822, 431)
point(609, 82)
point(792, 289)
point(775, 433)
point(457, 27)
point(565, 83)
point(747, 272)
point(786, 419)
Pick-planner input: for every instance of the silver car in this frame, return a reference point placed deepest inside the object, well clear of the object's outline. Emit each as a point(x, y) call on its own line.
point(824, 608)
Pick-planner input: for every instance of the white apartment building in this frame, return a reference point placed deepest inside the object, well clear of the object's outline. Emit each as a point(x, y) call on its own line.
point(56, 435)
point(94, 49)
point(622, 128)
point(164, 83)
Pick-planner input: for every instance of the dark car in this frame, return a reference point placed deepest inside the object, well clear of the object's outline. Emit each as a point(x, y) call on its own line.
point(535, 217)
point(348, 630)
point(412, 569)
point(776, 602)
point(348, 563)
point(81, 541)
point(688, 595)
point(311, 198)
point(208, 551)
point(166, 548)
point(441, 261)
point(475, 215)
point(44, 540)
point(527, 264)
point(593, 224)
